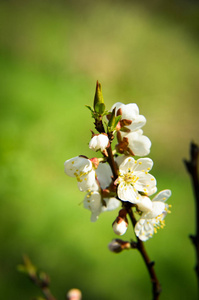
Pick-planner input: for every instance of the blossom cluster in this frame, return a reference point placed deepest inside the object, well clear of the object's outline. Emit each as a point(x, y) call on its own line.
point(122, 176)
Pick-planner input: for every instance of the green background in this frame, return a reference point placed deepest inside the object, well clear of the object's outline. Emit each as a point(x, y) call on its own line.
point(51, 54)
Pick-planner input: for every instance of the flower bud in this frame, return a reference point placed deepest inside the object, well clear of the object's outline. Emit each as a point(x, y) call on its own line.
point(99, 142)
point(121, 223)
point(118, 245)
point(99, 106)
point(74, 294)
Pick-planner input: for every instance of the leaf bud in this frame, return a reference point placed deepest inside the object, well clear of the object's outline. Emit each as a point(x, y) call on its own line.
point(99, 106)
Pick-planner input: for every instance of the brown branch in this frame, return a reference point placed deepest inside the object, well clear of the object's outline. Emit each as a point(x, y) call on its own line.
point(156, 287)
point(192, 168)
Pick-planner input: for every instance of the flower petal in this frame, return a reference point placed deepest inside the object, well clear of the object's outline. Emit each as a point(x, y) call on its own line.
point(143, 164)
point(162, 196)
point(144, 229)
point(77, 165)
point(127, 193)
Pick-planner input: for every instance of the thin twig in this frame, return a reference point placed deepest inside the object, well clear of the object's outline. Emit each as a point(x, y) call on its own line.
point(192, 168)
point(156, 287)
point(40, 279)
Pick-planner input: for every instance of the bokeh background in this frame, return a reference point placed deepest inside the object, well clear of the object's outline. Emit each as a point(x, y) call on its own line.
point(51, 54)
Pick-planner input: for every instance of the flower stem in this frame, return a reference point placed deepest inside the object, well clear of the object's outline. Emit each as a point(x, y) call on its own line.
point(156, 287)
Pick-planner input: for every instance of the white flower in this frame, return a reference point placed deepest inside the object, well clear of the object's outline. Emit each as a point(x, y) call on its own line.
point(138, 143)
point(81, 168)
point(99, 142)
point(129, 112)
point(134, 177)
point(153, 215)
point(94, 200)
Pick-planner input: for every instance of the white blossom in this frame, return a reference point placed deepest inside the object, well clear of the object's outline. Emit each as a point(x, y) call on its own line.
point(81, 168)
point(94, 201)
point(138, 143)
point(134, 177)
point(129, 112)
point(99, 142)
point(153, 215)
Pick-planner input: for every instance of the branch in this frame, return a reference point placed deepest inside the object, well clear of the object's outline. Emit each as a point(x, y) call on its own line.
point(192, 169)
point(156, 287)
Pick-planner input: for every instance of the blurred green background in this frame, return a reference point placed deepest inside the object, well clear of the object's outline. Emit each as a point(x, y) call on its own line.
point(51, 54)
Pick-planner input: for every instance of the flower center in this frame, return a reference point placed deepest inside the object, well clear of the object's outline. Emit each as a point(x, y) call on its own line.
point(129, 178)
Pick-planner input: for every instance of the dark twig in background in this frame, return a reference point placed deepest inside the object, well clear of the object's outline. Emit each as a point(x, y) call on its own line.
point(40, 279)
point(192, 168)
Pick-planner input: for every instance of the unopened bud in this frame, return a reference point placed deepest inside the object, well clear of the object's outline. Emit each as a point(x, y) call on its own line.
point(118, 245)
point(120, 224)
point(74, 294)
point(99, 142)
point(99, 106)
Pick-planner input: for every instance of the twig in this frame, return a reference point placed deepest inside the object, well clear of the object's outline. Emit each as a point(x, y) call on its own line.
point(40, 279)
point(156, 287)
point(192, 168)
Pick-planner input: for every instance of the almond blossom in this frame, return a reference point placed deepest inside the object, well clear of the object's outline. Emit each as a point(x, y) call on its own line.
point(153, 215)
point(130, 118)
point(134, 178)
point(95, 201)
point(81, 168)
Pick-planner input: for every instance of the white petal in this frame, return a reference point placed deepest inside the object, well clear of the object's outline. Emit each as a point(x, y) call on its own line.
point(143, 164)
point(128, 163)
point(129, 111)
point(99, 142)
point(111, 204)
point(144, 229)
point(146, 183)
point(77, 165)
point(157, 209)
point(93, 203)
point(137, 123)
point(86, 182)
point(139, 144)
point(162, 196)
point(127, 193)
point(104, 174)
point(144, 204)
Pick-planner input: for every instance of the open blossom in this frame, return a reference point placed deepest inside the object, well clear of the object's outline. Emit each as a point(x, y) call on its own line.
point(134, 142)
point(130, 118)
point(81, 168)
point(94, 200)
point(99, 142)
point(153, 215)
point(134, 178)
